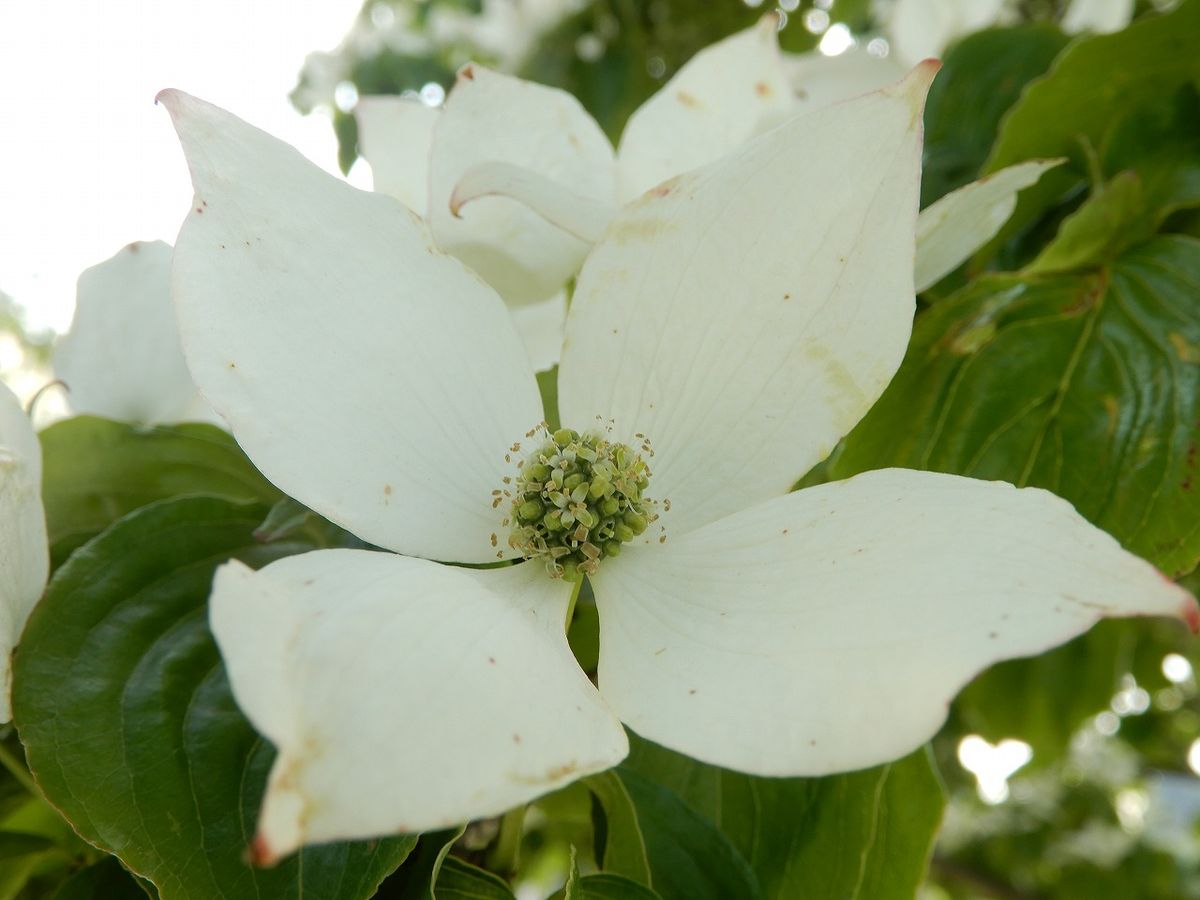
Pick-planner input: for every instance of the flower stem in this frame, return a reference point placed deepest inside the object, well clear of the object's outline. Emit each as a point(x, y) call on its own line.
point(506, 852)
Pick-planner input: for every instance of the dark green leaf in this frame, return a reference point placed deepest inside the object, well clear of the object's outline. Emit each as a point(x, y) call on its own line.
point(1092, 85)
point(129, 725)
point(1102, 227)
point(622, 850)
point(602, 886)
point(460, 880)
point(1161, 142)
point(106, 880)
point(981, 77)
point(1088, 385)
point(689, 857)
point(859, 836)
point(96, 470)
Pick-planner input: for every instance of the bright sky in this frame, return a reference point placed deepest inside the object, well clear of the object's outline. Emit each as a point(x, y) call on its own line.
point(88, 163)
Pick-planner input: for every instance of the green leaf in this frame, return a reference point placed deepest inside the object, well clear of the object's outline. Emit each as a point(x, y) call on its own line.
point(603, 886)
point(128, 721)
point(459, 880)
point(106, 880)
point(1106, 224)
point(859, 836)
point(1161, 142)
point(1094, 83)
point(1087, 385)
point(689, 857)
point(981, 77)
point(621, 847)
point(96, 470)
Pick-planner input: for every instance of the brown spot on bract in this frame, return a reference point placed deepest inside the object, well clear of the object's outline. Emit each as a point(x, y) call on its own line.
point(787, 296)
point(691, 691)
point(785, 531)
point(468, 72)
point(762, 89)
point(307, 582)
point(686, 99)
point(554, 773)
point(993, 635)
point(387, 490)
point(199, 210)
point(516, 739)
point(492, 660)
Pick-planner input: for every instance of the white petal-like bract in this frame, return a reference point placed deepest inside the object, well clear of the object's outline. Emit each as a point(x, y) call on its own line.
point(722, 97)
point(366, 373)
point(1099, 16)
point(489, 118)
point(395, 135)
point(955, 226)
point(402, 695)
point(745, 316)
point(827, 630)
point(24, 554)
point(121, 357)
point(540, 326)
point(819, 80)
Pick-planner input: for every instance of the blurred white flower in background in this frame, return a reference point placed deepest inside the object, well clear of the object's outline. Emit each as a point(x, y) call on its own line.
point(121, 357)
point(24, 553)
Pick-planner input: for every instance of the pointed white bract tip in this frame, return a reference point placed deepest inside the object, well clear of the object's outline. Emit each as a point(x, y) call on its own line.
point(260, 853)
point(1190, 613)
point(169, 97)
point(768, 25)
point(916, 83)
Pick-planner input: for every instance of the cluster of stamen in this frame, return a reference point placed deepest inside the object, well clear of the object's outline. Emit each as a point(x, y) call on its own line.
point(577, 499)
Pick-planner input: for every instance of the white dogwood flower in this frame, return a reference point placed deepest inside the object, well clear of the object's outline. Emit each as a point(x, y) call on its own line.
point(121, 357)
point(518, 181)
point(740, 319)
point(24, 553)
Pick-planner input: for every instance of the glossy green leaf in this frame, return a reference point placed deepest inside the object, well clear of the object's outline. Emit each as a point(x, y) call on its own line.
point(621, 849)
point(1161, 142)
point(1088, 385)
point(129, 725)
point(981, 77)
point(860, 836)
point(96, 470)
point(1102, 227)
point(1091, 86)
point(690, 859)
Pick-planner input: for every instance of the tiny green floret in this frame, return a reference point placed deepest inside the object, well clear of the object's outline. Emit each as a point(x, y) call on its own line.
point(576, 499)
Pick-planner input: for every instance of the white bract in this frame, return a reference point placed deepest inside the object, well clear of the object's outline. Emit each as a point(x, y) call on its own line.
point(24, 554)
point(121, 357)
point(742, 318)
point(921, 28)
point(518, 181)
